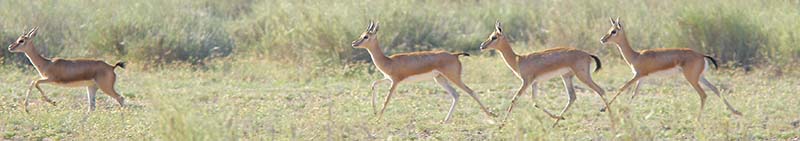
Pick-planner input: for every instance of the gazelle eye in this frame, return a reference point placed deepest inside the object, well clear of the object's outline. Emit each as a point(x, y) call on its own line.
point(21, 41)
point(613, 32)
point(366, 37)
point(494, 37)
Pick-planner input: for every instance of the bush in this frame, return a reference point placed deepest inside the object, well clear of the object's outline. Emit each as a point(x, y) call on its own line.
point(729, 35)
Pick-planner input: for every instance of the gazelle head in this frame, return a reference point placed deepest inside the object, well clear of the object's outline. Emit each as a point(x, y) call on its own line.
point(495, 38)
point(615, 33)
point(368, 38)
point(23, 43)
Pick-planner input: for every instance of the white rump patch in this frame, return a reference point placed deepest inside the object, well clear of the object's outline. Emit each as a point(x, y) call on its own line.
point(547, 75)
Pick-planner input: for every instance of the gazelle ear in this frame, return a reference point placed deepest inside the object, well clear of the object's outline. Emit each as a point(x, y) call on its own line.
point(498, 26)
point(619, 23)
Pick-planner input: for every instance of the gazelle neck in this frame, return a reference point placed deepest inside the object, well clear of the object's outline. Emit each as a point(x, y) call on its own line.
point(378, 58)
point(509, 56)
point(36, 59)
point(627, 52)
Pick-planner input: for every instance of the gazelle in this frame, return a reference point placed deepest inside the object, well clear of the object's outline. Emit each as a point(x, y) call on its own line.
point(543, 65)
point(92, 74)
point(443, 67)
point(665, 60)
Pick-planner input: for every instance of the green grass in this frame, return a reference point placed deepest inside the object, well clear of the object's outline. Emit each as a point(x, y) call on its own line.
point(251, 99)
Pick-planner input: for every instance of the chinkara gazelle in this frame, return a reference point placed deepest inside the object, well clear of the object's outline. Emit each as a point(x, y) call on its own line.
point(540, 66)
point(92, 74)
point(443, 67)
point(664, 60)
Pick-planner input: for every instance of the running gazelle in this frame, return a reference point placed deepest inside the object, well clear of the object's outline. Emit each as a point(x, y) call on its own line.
point(88, 73)
point(663, 60)
point(443, 67)
point(543, 65)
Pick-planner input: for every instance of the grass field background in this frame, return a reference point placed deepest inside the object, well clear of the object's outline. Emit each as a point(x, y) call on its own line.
point(269, 69)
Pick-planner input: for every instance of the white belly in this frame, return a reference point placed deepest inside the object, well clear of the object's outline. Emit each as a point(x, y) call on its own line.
point(666, 72)
point(76, 84)
point(422, 76)
point(547, 75)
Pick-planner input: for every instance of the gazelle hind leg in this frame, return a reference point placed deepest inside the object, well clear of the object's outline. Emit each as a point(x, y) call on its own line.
point(586, 78)
point(106, 83)
point(693, 76)
point(453, 73)
point(570, 92)
point(533, 86)
point(716, 91)
point(450, 90)
point(90, 96)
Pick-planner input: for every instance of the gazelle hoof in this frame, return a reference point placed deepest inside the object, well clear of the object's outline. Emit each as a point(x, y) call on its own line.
point(737, 113)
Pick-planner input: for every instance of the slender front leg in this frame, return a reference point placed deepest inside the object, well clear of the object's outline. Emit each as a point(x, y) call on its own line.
point(525, 84)
point(375, 93)
point(450, 90)
point(571, 92)
point(388, 97)
point(44, 97)
point(635, 78)
point(636, 89)
point(90, 95)
point(27, 95)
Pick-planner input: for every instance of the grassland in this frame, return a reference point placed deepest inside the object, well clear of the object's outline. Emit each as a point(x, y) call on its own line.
point(255, 100)
point(269, 69)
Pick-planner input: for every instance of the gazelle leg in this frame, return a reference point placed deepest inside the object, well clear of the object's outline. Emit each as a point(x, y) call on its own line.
point(454, 76)
point(388, 97)
point(525, 84)
point(106, 84)
point(636, 88)
point(90, 95)
point(44, 97)
point(635, 78)
point(702, 95)
point(571, 92)
point(375, 93)
point(534, 85)
point(534, 90)
point(450, 90)
point(586, 78)
point(716, 91)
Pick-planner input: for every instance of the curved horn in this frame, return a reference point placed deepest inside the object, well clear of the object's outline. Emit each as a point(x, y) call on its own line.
point(369, 27)
point(498, 26)
point(32, 32)
point(375, 27)
point(612, 21)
